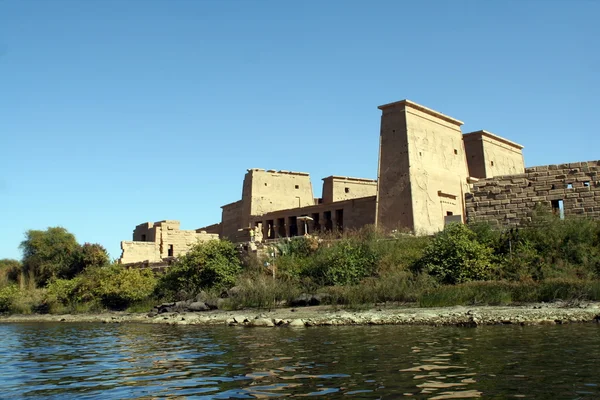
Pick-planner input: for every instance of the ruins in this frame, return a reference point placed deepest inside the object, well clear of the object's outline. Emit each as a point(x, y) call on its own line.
point(429, 174)
point(157, 241)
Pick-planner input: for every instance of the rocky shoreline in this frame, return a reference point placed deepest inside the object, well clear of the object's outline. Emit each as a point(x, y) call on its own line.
point(468, 316)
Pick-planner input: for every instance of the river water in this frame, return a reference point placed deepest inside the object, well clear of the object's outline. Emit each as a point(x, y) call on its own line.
point(123, 361)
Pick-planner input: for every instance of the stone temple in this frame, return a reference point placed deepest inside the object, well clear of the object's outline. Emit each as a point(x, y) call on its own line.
point(430, 173)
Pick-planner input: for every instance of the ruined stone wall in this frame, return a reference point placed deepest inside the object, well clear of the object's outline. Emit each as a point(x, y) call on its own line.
point(214, 228)
point(340, 188)
point(510, 200)
point(145, 232)
point(231, 220)
point(134, 252)
point(181, 241)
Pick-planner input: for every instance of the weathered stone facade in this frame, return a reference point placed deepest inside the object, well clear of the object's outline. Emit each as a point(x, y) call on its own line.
point(566, 189)
point(429, 174)
point(157, 241)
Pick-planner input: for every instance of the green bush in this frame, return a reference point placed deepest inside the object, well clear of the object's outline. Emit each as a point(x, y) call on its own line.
point(113, 286)
point(63, 291)
point(343, 262)
point(8, 294)
point(455, 256)
point(212, 264)
point(123, 286)
point(10, 271)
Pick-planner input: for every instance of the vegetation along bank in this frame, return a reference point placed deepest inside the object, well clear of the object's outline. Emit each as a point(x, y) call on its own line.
point(548, 270)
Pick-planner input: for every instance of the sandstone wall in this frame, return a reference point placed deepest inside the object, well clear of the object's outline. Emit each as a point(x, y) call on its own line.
point(340, 188)
point(267, 191)
point(422, 168)
point(145, 232)
point(489, 155)
point(510, 200)
point(214, 228)
point(133, 252)
point(231, 220)
point(348, 214)
point(175, 243)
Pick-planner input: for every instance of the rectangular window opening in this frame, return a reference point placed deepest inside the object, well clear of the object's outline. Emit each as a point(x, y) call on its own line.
point(297, 187)
point(492, 163)
point(170, 251)
point(586, 183)
point(143, 238)
point(558, 208)
point(347, 190)
point(455, 151)
point(449, 213)
point(569, 186)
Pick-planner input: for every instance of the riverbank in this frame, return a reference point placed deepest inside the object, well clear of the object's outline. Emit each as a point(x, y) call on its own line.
point(531, 314)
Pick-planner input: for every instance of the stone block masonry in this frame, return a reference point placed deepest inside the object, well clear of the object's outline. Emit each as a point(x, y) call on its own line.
point(571, 189)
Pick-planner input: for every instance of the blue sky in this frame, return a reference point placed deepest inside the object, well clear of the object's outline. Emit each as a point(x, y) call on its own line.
point(113, 113)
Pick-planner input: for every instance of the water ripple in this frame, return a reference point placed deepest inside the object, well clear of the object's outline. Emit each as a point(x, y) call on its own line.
point(130, 361)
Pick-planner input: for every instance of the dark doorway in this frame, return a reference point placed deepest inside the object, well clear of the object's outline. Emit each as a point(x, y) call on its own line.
point(328, 222)
point(339, 220)
point(270, 231)
point(293, 222)
point(281, 227)
point(316, 224)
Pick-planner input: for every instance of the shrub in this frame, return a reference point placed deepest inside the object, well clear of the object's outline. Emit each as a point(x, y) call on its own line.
point(212, 264)
point(10, 271)
point(111, 286)
point(124, 286)
point(344, 262)
point(455, 256)
point(8, 294)
point(63, 291)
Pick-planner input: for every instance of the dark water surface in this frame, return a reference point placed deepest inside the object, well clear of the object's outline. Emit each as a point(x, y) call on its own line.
point(363, 362)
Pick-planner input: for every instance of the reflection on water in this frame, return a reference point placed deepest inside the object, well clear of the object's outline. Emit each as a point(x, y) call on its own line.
point(370, 362)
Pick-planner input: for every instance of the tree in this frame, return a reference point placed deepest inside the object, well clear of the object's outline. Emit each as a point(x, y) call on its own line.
point(90, 255)
point(10, 270)
point(49, 254)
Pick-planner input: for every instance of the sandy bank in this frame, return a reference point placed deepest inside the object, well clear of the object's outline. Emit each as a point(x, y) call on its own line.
point(532, 314)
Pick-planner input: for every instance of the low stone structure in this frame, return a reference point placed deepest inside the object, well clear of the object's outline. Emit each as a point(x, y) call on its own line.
point(567, 189)
point(154, 242)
